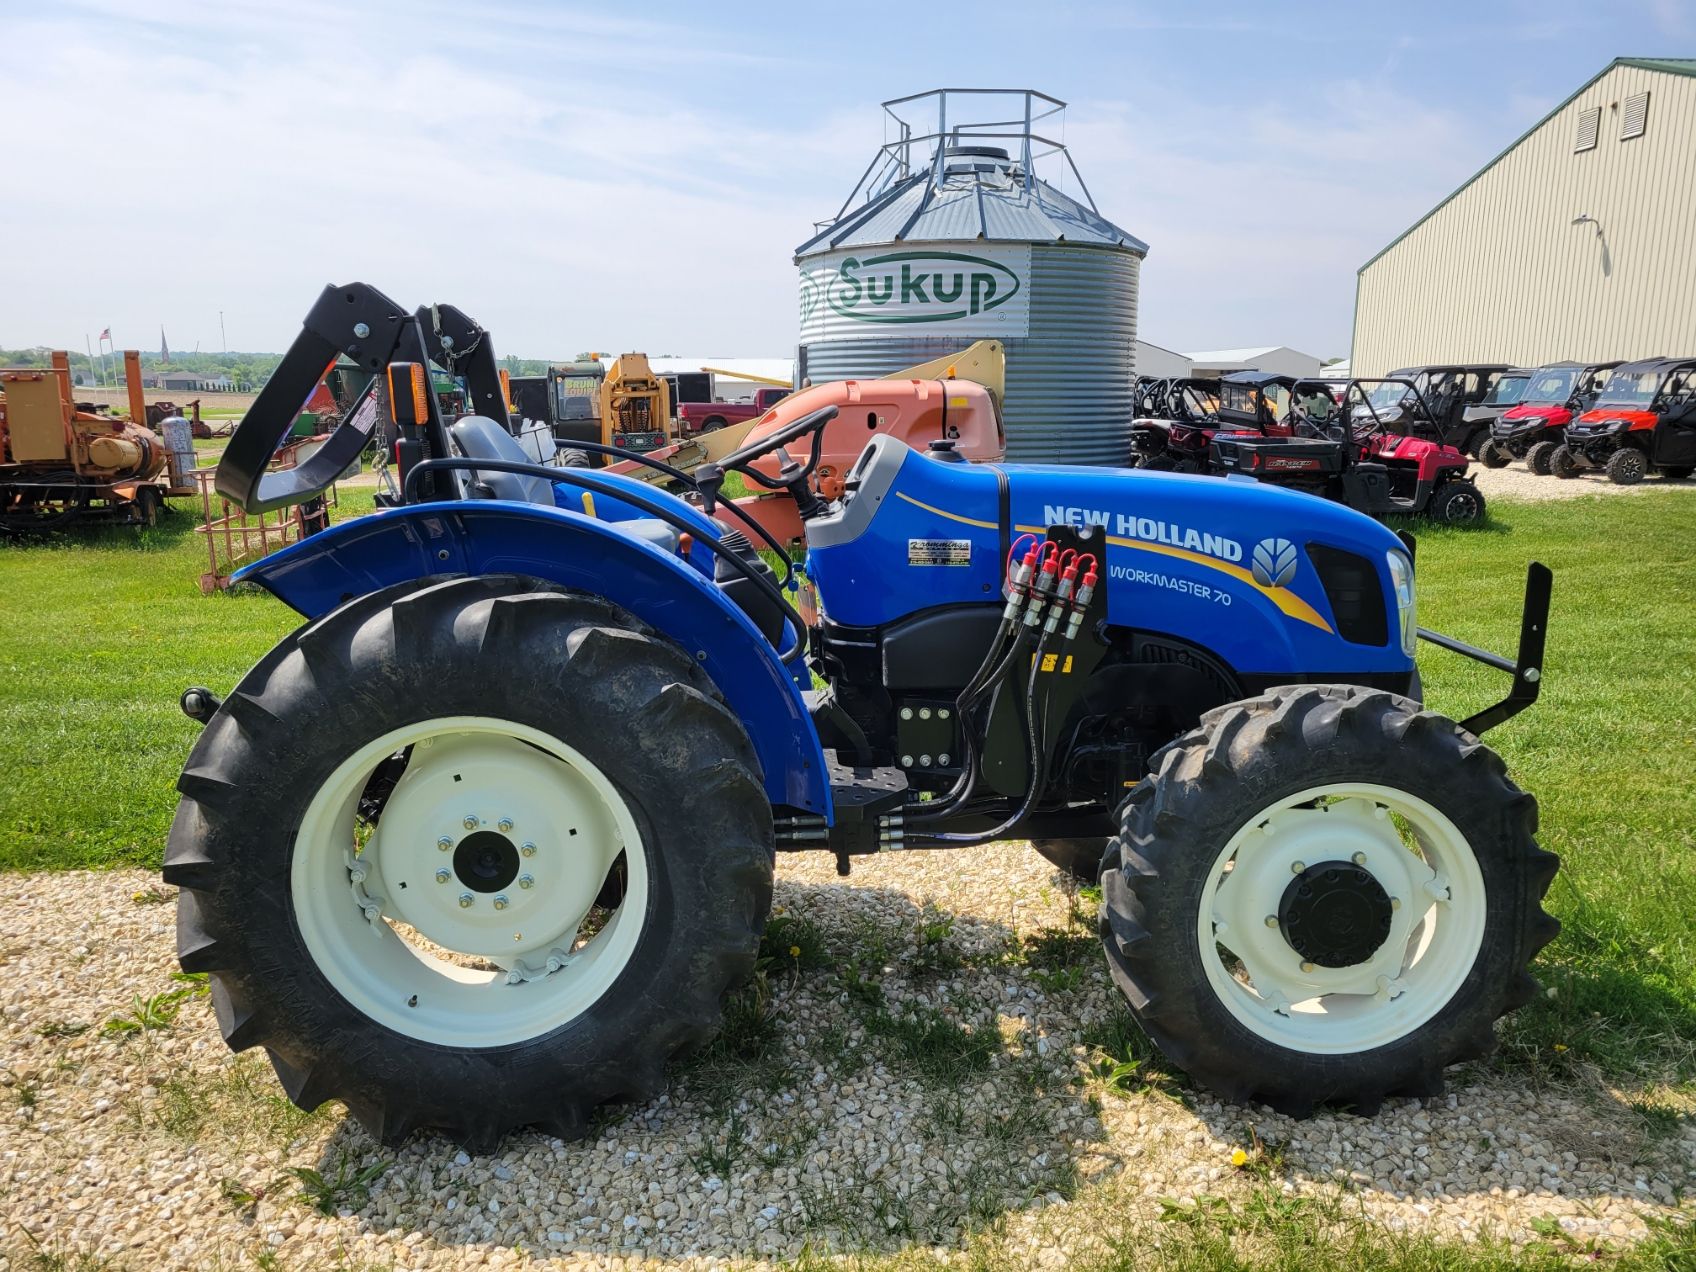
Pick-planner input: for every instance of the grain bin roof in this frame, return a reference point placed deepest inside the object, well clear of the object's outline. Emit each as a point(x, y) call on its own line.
point(961, 165)
point(1668, 65)
point(990, 205)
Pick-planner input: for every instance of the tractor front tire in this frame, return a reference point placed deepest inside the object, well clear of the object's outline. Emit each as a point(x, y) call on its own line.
point(1627, 466)
point(1456, 503)
point(419, 764)
point(1325, 895)
point(1564, 464)
point(1080, 858)
point(1540, 457)
point(1493, 454)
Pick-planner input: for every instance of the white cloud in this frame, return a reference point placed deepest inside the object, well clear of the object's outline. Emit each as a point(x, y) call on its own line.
point(574, 181)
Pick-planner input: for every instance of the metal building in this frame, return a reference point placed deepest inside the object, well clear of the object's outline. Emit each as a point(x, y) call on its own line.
point(950, 236)
point(1578, 241)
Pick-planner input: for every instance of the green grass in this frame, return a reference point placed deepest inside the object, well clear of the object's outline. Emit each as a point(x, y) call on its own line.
point(1608, 752)
point(104, 629)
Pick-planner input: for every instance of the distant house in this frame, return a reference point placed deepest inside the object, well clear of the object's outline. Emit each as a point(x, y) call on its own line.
point(1279, 359)
point(191, 382)
point(1159, 362)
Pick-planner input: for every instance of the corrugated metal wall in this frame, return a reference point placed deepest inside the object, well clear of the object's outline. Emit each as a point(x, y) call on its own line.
point(1500, 273)
point(1068, 382)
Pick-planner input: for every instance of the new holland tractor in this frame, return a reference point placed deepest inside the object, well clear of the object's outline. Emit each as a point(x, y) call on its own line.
point(482, 843)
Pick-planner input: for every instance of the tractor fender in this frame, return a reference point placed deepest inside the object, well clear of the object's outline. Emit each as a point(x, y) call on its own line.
point(491, 536)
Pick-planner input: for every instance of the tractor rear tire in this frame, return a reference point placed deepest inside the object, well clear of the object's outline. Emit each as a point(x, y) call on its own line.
point(1456, 503)
point(1437, 854)
point(1677, 472)
point(574, 458)
point(1627, 466)
point(511, 682)
point(1493, 454)
point(1540, 456)
point(1564, 464)
point(1080, 858)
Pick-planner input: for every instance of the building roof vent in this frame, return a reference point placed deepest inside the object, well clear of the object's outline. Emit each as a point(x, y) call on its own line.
point(1589, 122)
point(1636, 116)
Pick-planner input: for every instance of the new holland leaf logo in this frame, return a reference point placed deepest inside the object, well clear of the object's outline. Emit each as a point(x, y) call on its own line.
point(1273, 562)
point(912, 287)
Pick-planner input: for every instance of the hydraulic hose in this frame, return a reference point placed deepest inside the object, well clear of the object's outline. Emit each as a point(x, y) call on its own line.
point(965, 705)
point(1038, 765)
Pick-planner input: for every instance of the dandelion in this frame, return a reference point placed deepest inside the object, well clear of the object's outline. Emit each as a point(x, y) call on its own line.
point(795, 952)
point(1560, 1046)
point(1239, 1158)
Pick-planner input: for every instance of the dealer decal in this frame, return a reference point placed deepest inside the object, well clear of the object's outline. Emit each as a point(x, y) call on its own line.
point(939, 551)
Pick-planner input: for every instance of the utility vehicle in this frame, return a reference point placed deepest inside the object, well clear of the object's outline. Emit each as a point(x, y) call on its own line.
point(1534, 429)
point(482, 843)
point(1259, 403)
point(1506, 392)
point(1643, 421)
point(1184, 405)
point(1437, 407)
point(1361, 460)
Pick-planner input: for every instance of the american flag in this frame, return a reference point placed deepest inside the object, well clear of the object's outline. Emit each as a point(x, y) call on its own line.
point(106, 334)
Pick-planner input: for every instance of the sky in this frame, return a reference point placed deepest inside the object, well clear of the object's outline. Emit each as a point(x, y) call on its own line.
point(637, 177)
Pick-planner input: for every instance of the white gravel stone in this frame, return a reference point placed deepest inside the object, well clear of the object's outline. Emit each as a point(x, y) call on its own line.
point(185, 1164)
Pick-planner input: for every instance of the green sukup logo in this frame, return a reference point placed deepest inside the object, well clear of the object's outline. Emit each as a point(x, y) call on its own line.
point(910, 287)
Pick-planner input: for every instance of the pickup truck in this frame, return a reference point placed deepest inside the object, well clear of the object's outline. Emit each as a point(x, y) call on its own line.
point(694, 418)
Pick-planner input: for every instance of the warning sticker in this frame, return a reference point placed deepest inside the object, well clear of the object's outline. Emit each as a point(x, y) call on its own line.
point(939, 551)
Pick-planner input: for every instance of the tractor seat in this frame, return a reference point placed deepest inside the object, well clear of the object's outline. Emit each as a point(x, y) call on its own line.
point(482, 438)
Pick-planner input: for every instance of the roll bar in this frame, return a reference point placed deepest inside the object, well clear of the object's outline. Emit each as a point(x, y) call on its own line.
point(359, 322)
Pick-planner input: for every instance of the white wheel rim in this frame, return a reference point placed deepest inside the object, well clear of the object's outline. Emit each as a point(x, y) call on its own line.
point(564, 824)
point(1414, 852)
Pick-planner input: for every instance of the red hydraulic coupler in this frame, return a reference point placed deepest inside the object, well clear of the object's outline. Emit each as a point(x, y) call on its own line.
point(1019, 576)
point(1063, 593)
point(1047, 580)
point(1082, 598)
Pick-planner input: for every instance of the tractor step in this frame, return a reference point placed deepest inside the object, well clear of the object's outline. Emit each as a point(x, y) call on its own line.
point(868, 802)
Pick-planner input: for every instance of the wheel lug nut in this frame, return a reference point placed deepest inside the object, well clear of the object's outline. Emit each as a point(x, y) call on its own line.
point(525, 881)
point(1296, 867)
point(442, 876)
point(1307, 967)
point(529, 849)
point(465, 900)
point(1271, 920)
point(1359, 859)
point(500, 902)
point(470, 823)
point(444, 843)
point(504, 824)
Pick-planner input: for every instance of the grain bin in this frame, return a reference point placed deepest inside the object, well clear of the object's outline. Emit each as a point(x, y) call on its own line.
point(951, 237)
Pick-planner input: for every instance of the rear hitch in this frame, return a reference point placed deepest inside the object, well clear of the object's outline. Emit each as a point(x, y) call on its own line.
point(1527, 668)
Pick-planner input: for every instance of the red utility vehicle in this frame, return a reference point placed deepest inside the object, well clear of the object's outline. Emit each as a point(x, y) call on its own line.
point(1534, 429)
point(703, 417)
point(1643, 422)
point(1360, 460)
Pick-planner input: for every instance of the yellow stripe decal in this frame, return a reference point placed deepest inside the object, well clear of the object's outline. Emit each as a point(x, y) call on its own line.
point(1282, 597)
point(952, 516)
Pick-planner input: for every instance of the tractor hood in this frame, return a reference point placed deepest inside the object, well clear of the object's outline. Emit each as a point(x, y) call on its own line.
point(1230, 565)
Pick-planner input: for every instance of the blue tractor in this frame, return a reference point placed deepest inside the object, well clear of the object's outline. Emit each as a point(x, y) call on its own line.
point(484, 841)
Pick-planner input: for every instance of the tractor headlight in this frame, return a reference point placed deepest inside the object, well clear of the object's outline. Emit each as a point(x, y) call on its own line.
point(1401, 578)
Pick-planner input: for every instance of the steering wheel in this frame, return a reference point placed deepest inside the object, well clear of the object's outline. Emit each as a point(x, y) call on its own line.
point(794, 477)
